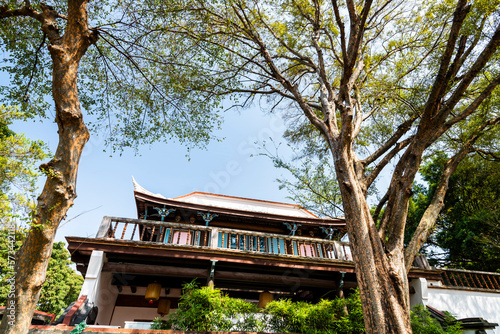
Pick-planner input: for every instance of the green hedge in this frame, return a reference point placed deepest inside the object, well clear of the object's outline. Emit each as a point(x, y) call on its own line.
point(327, 316)
point(423, 323)
point(208, 309)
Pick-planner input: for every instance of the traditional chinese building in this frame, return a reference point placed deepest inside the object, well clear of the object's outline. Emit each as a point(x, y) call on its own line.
point(252, 249)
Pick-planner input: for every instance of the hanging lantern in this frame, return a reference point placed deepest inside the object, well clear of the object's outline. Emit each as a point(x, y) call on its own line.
point(163, 306)
point(265, 298)
point(153, 292)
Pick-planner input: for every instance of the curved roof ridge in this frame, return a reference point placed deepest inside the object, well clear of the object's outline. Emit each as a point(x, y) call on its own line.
point(244, 199)
point(141, 189)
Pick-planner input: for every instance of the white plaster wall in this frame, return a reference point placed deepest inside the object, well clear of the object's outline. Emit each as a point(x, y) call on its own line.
point(421, 291)
point(466, 304)
point(123, 313)
point(112, 315)
point(106, 299)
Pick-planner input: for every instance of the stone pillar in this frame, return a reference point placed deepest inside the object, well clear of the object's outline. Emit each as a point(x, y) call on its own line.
point(421, 293)
point(90, 286)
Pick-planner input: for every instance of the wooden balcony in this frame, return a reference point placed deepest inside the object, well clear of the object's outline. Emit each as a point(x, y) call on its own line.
point(231, 240)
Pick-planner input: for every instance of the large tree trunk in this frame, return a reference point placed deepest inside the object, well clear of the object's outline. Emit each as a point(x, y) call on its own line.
point(59, 190)
point(381, 277)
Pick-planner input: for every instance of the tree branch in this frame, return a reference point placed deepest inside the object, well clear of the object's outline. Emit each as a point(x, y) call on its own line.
point(478, 65)
point(370, 178)
point(483, 153)
point(338, 18)
point(439, 87)
point(26, 11)
point(279, 77)
point(470, 109)
point(402, 129)
point(33, 71)
point(379, 207)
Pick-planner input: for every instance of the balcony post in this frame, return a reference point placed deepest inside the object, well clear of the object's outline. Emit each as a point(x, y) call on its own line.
point(214, 238)
point(104, 228)
point(338, 250)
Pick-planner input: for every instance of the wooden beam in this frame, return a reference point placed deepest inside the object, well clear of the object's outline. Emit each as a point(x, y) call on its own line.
point(132, 268)
point(432, 274)
point(287, 280)
point(164, 251)
point(284, 279)
point(87, 253)
point(196, 253)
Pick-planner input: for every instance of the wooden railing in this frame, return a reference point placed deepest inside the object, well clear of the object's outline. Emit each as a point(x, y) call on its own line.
point(471, 279)
point(280, 244)
point(221, 238)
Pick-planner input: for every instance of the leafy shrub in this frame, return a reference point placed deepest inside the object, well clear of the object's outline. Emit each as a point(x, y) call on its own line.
point(325, 317)
point(208, 309)
point(423, 323)
point(205, 309)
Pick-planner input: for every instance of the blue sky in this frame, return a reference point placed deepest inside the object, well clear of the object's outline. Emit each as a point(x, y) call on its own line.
point(104, 185)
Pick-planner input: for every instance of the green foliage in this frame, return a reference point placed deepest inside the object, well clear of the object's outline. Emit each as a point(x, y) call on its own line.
point(313, 185)
point(327, 316)
point(79, 328)
point(27, 62)
point(205, 308)
point(208, 309)
point(130, 86)
point(124, 85)
point(423, 323)
point(468, 228)
point(18, 171)
point(62, 285)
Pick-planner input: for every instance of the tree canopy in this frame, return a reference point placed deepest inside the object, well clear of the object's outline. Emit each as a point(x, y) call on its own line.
point(122, 87)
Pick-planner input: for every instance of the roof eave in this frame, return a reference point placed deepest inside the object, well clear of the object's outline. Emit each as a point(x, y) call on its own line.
point(139, 196)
